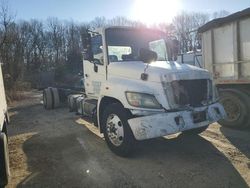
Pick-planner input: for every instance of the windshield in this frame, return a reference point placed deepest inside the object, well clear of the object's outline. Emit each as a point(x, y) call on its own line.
point(124, 44)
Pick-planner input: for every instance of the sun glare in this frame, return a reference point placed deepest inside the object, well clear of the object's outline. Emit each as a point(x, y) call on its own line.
point(155, 11)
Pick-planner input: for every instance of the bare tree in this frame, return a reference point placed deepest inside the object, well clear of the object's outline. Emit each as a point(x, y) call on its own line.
point(169, 29)
point(56, 31)
point(10, 46)
point(73, 47)
point(186, 25)
point(6, 19)
point(98, 22)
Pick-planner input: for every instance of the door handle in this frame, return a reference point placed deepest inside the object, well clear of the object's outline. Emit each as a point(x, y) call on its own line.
point(95, 68)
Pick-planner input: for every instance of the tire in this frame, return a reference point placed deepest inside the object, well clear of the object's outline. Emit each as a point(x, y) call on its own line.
point(236, 104)
point(195, 131)
point(115, 124)
point(47, 99)
point(56, 99)
point(4, 161)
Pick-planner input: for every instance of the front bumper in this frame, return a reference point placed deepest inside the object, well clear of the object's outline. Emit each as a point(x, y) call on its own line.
point(167, 123)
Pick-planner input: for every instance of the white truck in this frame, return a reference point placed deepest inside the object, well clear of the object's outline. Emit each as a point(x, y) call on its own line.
point(226, 54)
point(135, 91)
point(4, 120)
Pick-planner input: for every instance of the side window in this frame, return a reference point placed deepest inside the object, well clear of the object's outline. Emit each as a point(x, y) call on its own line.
point(97, 49)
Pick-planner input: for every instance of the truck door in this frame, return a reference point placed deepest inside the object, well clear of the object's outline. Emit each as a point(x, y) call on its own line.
point(95, 71)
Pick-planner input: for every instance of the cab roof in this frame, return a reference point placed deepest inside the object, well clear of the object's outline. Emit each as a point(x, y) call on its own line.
point(102, 29)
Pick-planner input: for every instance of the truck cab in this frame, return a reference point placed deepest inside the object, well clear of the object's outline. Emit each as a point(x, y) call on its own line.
point(136, 91)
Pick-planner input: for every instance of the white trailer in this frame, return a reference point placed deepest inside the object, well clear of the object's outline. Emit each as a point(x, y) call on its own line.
point(226, 54)
point(4, 120)
point(135, 91)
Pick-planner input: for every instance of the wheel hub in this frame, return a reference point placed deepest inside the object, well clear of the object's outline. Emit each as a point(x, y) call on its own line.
point(115, 129)
point(232, 109)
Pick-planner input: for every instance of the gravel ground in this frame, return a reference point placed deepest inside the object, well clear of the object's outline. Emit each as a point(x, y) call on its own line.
point(59, 149)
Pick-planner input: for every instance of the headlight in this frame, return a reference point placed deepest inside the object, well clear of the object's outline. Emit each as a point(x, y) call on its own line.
point(142, 100)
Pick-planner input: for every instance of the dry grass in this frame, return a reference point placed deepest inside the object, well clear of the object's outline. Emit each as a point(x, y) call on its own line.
point(17, 92)
point(14, 95)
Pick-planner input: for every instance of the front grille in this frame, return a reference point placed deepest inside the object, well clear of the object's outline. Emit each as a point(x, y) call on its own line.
point(194, 93)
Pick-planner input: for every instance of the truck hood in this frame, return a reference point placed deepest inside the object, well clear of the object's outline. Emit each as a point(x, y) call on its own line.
point(158, 71)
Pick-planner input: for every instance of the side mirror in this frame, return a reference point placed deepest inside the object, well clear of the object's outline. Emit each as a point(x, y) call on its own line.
point(87, 48)
point(147, 56)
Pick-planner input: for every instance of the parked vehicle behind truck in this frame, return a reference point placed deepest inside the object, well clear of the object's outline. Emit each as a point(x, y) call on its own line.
point(135, 91)
point(226, 54)
point(4, 120)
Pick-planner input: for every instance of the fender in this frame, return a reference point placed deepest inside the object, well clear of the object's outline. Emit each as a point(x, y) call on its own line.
point(102, 102)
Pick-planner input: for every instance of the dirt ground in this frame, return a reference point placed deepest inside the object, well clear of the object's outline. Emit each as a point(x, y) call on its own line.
point(59, 149)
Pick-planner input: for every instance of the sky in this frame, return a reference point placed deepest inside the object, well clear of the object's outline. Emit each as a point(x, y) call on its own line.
point(147, 11)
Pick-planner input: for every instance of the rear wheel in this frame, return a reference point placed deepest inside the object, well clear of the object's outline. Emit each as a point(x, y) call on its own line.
point(4, 160)
point(117, 132)
point(56, 99)
point(47, 99)
point(236, 105)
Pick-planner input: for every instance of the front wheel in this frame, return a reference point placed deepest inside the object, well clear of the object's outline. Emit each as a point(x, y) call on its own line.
point(117, 132)
point(4, 160)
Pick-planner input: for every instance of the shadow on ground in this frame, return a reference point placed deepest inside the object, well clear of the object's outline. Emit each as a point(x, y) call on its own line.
point(239, 138)
point(62, 153)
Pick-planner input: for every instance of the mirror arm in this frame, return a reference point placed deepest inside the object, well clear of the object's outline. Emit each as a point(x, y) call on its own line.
point(95, 67)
